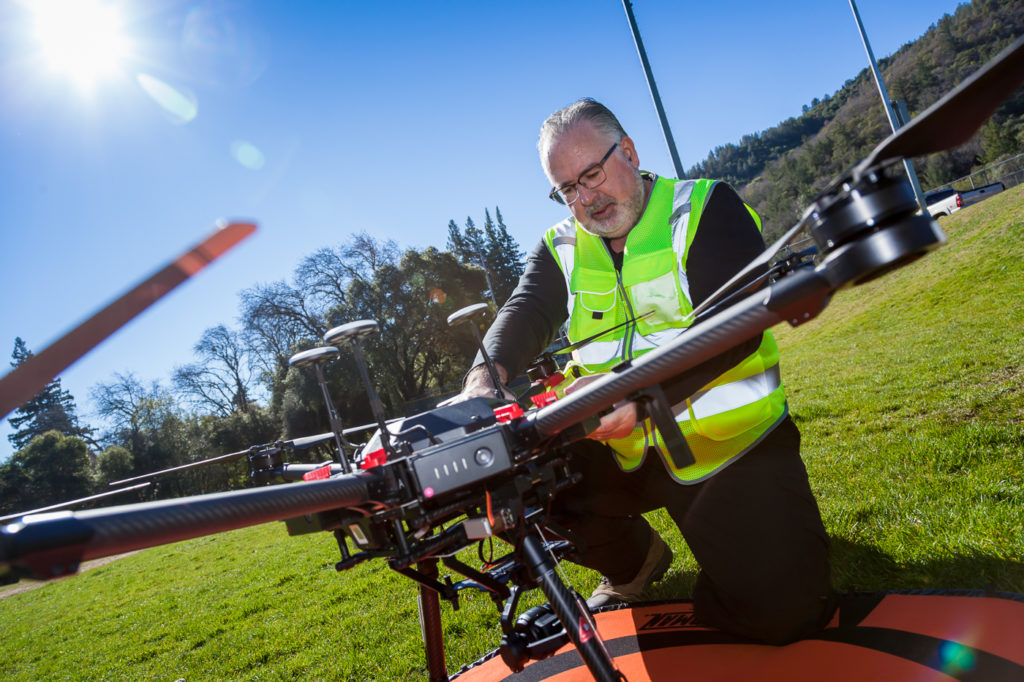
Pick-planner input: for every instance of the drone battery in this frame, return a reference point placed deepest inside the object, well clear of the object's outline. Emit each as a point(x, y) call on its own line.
point(461, 463)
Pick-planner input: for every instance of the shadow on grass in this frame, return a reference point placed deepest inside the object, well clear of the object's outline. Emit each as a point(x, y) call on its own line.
point(858, 566)
point(862, 567)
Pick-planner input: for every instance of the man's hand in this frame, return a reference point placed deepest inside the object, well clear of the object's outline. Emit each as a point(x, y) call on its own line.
point(478, 384)
point(619, 423)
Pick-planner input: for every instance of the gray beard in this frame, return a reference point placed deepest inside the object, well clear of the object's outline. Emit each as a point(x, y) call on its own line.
point(632, 209)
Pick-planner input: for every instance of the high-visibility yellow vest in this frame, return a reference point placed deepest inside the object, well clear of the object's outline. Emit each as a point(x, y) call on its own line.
point(725, 418)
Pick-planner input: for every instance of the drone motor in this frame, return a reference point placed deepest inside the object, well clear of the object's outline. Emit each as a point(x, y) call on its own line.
point(870, 226)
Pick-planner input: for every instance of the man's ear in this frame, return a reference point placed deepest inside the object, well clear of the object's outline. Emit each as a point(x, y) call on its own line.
point(629, 149)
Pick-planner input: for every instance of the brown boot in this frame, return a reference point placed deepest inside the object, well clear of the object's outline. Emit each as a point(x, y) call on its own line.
point(659, 558)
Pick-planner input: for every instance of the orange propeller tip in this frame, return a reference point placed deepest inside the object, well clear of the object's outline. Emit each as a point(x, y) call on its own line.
point(245, 226)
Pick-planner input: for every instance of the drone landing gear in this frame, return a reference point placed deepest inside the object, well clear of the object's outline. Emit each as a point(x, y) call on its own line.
point(572, 613)
point(537, 634)
point(430, 624)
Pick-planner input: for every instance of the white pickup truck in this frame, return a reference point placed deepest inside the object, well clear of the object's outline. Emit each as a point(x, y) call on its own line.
point(947, 201)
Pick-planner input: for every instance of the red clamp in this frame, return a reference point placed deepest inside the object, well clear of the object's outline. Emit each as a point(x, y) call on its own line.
point(374, 459)
point(553, 380)
point(318, 474)
point(508, 413)
point(544, 399)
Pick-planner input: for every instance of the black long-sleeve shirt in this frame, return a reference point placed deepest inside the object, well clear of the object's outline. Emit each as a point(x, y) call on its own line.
point(727, 239)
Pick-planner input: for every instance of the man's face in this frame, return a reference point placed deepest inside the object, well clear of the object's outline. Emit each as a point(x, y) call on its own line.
point(613, 208)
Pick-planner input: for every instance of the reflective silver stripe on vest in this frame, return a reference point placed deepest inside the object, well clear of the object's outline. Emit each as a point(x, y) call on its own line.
point(605, 351)
point(681, 199)
point(564, 242)
point(599, 352)
point(655, 339)
point(680, 222)
point(733, 395)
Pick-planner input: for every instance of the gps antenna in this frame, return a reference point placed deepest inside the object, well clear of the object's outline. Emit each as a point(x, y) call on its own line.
point(470, 314)
point(352, 332)
point(318, 357)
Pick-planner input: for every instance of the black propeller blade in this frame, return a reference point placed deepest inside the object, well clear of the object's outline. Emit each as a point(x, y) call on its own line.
point(298, 444)
point(71, 503)
point(221, 458)
point(759, 262)
point(308, 441)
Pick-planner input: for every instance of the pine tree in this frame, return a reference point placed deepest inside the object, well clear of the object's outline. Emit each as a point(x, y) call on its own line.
point(471, 247)
point(493, 249)
point(456, 244)
point(506, 259)
point(474, 243)
point(52, 409)
point(476, 247)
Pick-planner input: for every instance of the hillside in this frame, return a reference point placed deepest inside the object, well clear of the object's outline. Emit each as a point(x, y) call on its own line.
point(909, 392)
point(779, 170)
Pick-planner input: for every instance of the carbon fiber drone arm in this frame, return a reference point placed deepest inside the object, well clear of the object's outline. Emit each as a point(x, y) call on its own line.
point(50, 545)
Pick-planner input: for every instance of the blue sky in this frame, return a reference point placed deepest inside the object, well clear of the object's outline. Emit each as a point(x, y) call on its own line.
point(318, 120)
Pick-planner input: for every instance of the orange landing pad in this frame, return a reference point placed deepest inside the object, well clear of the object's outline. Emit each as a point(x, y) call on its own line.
point(922, 637)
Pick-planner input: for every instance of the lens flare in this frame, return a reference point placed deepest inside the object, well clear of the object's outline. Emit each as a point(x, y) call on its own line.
point(247, 154)
point(956, 658)
point(81, 38)
point(222, 45)
point(180, 106)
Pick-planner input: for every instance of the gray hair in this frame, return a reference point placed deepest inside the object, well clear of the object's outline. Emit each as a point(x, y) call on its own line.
point(586, 109)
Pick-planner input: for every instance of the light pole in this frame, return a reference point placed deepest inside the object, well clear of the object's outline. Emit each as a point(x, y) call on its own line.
point(894, 120)
point(654, 89)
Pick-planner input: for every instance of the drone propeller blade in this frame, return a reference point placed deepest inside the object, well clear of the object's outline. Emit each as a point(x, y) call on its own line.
point(211, 460)
point(298, 444)
point(28, 378)
point(367, 427)
point(71, 503)
point(758, 262)
point(309, 441)
point(954, 119)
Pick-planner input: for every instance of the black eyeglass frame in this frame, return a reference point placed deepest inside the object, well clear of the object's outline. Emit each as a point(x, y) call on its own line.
point(556, 192)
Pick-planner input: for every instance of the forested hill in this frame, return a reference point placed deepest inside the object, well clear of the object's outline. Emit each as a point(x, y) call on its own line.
point(780, 170)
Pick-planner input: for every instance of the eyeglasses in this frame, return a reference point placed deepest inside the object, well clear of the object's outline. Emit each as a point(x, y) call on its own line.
point(591, 178)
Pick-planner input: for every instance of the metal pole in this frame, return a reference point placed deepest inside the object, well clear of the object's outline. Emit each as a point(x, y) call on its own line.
point(654, 88)
point(893, 120)
point(333, 418)
point(487, 276)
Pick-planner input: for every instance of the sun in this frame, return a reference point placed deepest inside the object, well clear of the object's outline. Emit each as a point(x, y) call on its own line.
point(82, 39)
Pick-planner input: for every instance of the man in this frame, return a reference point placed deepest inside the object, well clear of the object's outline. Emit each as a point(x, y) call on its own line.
point(645, 251)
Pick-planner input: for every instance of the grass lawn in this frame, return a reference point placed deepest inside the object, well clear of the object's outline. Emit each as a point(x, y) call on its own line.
point(909, 392)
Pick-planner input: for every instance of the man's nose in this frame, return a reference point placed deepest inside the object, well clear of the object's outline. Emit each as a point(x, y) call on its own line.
point(587, 195)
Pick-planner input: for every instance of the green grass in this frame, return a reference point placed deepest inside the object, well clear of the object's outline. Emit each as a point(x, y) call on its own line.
point(909, 392)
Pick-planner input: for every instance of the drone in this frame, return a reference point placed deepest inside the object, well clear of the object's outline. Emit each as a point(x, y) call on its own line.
point(425, 487)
